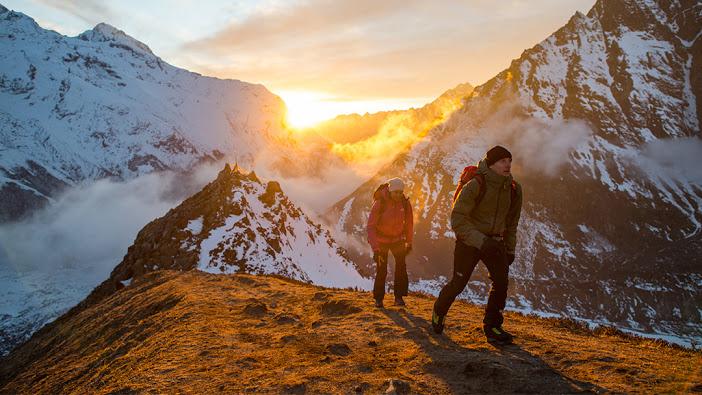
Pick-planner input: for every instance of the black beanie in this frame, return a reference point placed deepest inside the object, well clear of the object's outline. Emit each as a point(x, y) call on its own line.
point(496, 153)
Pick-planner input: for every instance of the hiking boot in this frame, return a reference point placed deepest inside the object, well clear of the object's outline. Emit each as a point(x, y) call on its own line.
point(379, 303)
point(399, 301)
point(497, 334)
point(437, 322)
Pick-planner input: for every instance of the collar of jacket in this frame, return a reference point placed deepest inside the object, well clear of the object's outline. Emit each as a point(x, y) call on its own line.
point(491, 177)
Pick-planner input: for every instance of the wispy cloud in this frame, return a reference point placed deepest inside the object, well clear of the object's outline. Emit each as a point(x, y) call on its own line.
point(363, 50)
point(89, 11)
point(367, 48)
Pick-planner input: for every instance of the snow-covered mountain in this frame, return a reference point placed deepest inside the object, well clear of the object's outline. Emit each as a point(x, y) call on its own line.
point(603, 119)
point(236, 223)
point(239, 224)
point(77, 109)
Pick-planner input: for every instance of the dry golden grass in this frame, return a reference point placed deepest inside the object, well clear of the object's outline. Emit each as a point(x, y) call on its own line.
point(191, 332)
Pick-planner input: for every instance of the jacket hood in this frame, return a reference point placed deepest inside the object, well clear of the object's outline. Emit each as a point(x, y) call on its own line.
point(384, 195)
point(490, 175)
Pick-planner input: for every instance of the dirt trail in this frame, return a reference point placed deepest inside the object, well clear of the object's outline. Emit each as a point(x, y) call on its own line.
point(199, 333)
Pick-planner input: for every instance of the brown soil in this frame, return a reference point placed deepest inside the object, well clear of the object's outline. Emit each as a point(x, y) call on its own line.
point(193, 332)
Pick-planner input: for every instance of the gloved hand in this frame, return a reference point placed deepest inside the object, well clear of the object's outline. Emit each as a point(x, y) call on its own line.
point(510, 259)
point(408, 248)
point(378, 257)
point(491, 247)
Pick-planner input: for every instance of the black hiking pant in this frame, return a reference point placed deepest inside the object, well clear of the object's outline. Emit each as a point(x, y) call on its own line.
point(465, 258)
point(381, 263)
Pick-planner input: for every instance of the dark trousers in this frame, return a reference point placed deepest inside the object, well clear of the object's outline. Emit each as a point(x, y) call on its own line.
point(381, 264)
point(465, 258)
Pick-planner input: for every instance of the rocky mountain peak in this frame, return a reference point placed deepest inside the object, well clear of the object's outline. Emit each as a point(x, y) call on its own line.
point(236, 223)
point(103, 32)
point(16, 23)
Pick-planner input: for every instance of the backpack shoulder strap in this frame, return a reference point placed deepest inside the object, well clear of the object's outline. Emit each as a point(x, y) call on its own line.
point(480, 178)
point(377, 197)
point(513, 193)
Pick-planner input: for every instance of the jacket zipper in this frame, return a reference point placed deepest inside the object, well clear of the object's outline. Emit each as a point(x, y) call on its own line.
point(497, 207)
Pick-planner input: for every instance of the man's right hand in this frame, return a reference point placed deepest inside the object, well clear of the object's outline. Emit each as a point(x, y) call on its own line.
point(377, 256)
point(491, 247)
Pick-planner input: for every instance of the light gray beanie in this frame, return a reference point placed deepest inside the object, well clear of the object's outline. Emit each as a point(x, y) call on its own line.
point(396, 184)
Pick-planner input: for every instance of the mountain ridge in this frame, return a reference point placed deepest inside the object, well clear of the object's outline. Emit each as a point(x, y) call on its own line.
point(200, 332)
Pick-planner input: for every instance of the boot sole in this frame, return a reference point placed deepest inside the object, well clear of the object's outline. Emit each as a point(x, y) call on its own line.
point(501, 342)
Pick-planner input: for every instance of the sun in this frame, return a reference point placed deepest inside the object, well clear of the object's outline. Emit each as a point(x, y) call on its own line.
point(309, 108)
point(306, 108)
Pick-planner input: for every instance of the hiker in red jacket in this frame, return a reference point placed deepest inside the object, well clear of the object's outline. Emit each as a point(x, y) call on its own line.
point(390, 227)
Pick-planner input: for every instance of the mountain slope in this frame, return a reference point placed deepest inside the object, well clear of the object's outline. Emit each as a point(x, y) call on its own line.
point(236, 223)
point(76, 109)
point(198, 332)
point(603, 121)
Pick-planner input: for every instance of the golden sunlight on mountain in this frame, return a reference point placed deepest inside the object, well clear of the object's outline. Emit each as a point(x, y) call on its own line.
point(401, 130)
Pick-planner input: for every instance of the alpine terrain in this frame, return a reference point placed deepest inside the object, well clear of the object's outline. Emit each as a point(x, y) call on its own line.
point(603, 119)
point(102, 105)
point(237, 223)
point(173, 331)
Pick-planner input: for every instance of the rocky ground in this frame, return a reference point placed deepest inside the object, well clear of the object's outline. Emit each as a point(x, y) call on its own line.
point(194, 332)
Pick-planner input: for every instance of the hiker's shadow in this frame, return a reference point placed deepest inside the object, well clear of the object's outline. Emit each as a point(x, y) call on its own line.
point(504, 369)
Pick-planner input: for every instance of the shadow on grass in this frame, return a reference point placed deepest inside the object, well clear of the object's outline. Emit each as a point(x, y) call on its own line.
point(502, 369)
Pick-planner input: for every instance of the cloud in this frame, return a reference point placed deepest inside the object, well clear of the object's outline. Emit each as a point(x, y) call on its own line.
point(367, 48)
point(542, 146)
point(52, 261)
point(396, 133)
point(91, 226)
point(315, 194)
point(89, 11)
point(678, 158)
point(537, 145)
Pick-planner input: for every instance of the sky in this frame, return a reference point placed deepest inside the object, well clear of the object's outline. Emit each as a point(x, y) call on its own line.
point(326, 57)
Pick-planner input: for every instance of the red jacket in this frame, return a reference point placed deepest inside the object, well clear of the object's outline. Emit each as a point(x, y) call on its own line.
point(394, 224)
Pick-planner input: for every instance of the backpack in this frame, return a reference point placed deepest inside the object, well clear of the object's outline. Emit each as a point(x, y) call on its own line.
point(378, 194)
point(471, 172)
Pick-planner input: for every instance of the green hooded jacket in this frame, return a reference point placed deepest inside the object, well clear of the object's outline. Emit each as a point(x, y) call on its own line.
point(495, 214)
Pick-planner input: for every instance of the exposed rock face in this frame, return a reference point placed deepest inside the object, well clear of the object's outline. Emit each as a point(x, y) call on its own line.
point(77, 109)
point(603, 117)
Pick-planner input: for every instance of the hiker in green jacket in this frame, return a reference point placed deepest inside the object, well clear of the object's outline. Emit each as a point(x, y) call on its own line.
point(485, 215)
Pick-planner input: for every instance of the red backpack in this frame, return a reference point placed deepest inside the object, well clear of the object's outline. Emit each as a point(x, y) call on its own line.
point(471, 172)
